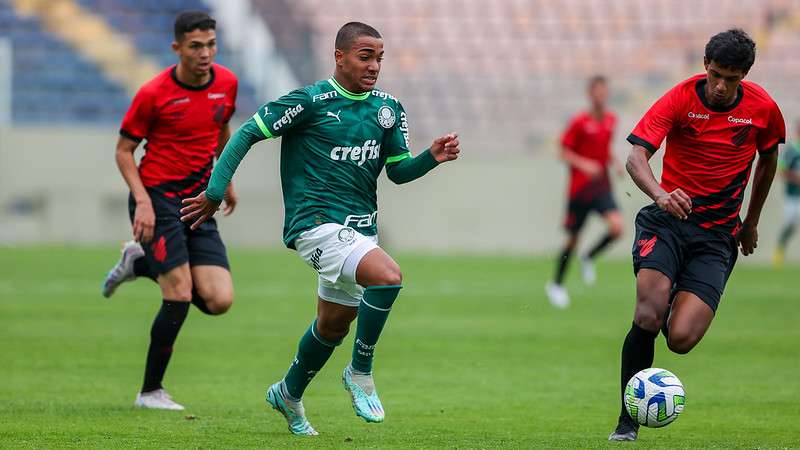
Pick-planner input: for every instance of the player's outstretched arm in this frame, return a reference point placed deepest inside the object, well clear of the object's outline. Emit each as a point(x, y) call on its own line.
point(677, 202)
point(202, 207)
point(762, 180)
point(443, 149)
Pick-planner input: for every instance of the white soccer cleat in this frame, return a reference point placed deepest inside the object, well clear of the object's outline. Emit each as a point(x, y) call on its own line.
point(158, 399)
point(587, 271)
point(123, 270)
point(557, 295)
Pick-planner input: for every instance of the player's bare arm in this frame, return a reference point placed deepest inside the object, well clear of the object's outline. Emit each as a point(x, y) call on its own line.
point(588, 166)
point(145, 219)
point(445, 148)
point(765, 172)
point(231, 198)
point(677, 202)
point(198, 209)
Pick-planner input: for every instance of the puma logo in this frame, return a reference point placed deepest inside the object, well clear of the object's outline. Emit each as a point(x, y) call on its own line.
point(330, 114)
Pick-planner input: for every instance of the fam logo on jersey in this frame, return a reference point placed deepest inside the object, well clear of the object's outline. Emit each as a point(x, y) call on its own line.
point(323, 96)
point(386, 116)
point(287, 117)
point(347, 235)
point(361, 220)
point(216, 96)
point(370, 150)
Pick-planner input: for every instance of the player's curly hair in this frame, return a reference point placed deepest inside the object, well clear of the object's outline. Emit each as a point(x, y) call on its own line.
point(188, 21)
point(732, 49)
point(352, 31)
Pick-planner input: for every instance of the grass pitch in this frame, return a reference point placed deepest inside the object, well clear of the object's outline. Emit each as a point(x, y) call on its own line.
point(472, 357)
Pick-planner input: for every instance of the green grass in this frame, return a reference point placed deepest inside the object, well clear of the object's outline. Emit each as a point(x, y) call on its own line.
point(472, 357)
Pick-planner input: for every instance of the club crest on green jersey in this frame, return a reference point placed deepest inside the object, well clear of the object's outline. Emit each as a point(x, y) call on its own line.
point(386, 116)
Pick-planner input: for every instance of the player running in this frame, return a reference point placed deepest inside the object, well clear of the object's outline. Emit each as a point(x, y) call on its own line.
point(183, 114)
point(686, 241)
point(586, 148)
point(338, 134)
point(790, 169)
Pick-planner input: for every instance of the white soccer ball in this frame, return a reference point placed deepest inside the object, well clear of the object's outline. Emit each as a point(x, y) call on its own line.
point(654, 397)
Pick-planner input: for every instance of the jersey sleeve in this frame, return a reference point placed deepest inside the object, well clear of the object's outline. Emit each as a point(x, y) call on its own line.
point(140, 116)
point(572, 135)
point(396, 141)
point(656, 122)
point(234, 94)
point(279, 117)
point(774, 133)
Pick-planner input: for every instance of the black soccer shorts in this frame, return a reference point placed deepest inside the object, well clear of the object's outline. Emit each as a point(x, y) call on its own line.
point(578, 209)
point(697, 260)
point(174, 243)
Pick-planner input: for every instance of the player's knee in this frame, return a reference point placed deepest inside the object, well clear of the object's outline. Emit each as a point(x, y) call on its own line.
point(647, 315)
point(390, 276)
point(682, 342)
point(178, 289)
point(333, 329)
point(615, 230)
point(218, 299)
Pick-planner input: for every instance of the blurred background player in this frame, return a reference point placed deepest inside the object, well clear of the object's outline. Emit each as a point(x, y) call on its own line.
point(789, 166)
point(586, 148)
point(338, 135)
point(686, 241)
point(183, 115)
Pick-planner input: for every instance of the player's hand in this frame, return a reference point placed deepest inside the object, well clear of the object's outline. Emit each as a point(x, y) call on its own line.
point(231, 199)
point(676, 203)
point(144, 222)
point(748, 239)
point(445, 148)
point(592, 169)
point(198, 209)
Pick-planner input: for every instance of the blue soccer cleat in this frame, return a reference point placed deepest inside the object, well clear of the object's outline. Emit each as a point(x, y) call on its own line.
point(365, 398)
point(292, 410)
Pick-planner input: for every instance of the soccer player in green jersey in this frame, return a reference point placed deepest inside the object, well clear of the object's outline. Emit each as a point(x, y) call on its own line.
point(338, 134)
point(789, 166)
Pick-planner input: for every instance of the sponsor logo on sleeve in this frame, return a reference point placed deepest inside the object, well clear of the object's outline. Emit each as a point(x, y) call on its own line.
point(287, 117)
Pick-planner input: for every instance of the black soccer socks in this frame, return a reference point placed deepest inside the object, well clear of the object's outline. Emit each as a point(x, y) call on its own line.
point(637, 354)
point(165, 329)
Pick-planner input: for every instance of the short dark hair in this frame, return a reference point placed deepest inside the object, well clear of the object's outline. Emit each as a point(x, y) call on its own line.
point(352, 31)
point(188, 21)
point(596, 79)
point(732, 49)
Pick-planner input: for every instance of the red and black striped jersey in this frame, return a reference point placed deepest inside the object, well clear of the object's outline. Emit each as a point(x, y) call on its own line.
point(591, 138)
point(181, 124)
point(710, 150)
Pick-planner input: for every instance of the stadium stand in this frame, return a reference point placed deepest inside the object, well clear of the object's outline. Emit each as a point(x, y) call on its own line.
point(51, 82)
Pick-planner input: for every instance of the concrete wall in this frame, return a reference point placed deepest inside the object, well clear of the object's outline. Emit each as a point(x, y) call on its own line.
point(62, 185)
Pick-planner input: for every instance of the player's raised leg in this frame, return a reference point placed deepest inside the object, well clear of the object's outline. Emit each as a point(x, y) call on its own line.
point(638, 350)
point(689, 319)
point(125, 269)
point(213, 289)
point(614, 222)
point(382, 278)
point(556, 292)
point(315, 348)
point(176, 290)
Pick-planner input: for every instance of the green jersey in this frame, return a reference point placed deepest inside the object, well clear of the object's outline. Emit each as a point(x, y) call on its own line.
point(790, 161)
point(334, 145)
